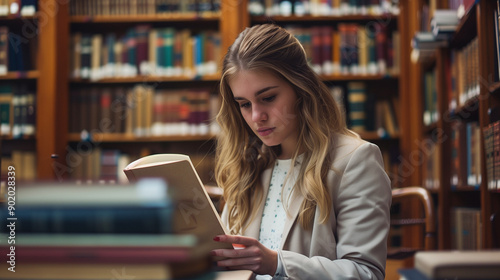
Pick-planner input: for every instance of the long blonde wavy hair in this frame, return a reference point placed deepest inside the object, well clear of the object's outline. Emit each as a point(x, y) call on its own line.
point(241, 156)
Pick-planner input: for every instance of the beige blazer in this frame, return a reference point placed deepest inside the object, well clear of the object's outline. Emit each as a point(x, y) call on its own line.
point(352, 244)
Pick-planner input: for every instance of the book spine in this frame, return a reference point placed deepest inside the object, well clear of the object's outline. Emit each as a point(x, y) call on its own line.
point(4, 36)
point(356, 96)
point(93, 220)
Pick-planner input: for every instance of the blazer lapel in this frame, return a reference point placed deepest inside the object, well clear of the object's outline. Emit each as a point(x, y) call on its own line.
point(293, 213)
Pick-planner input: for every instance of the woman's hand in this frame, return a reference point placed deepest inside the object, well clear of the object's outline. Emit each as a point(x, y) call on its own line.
point(253, 256)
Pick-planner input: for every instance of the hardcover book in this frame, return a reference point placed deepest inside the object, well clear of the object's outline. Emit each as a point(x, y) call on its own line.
point(458, 264)
point(195, 212)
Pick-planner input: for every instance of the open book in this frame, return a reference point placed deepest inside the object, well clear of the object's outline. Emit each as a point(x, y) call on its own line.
point(194, 211)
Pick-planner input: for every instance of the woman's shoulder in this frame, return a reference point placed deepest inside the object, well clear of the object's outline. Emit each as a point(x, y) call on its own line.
point(345, 146)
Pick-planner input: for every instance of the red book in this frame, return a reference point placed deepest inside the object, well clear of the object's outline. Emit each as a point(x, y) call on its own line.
point(105, 124)
point(381, 47)
point(326, 49)
point(316, 48)
point(142, 47)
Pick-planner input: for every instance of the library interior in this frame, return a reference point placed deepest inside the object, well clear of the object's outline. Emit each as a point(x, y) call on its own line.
point(91, 91)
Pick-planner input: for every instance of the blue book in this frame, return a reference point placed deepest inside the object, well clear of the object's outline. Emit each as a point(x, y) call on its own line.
point(145, 207)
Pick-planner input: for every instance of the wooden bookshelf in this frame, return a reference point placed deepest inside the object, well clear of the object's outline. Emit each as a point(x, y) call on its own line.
point(476, 25)
point(53, 140)
point(381, 85)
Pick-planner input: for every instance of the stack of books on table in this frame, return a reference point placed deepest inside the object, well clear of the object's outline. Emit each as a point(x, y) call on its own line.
point(99, 232)
point(457, 265)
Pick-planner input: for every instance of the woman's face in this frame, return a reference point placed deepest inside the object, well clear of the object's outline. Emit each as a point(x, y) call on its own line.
point(268, 105)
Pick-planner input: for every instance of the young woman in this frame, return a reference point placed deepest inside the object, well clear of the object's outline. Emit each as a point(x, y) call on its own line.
point(306, 197)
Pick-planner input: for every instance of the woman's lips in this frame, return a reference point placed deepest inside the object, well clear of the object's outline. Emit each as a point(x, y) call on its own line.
point(265, 131)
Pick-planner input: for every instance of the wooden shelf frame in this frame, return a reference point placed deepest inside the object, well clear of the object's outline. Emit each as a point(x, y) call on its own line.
point(52, 136)
point(476, 23)
point(21, 75)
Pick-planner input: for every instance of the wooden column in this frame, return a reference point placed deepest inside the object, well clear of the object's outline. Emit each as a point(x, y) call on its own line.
point(485, 19)
point(52, 86)
point(234, 19)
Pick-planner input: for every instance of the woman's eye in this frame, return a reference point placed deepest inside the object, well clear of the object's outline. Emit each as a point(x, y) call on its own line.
point(270, 98)
point(245, 105)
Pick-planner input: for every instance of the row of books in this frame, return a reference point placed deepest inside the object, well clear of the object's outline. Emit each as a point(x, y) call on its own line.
point(17, 111)
point(18, 7)
point(466, 228)
point(145, 51)
point(101, 165)
point(431, 168)
point(322, 8)
point(98, 166)
point(465, 169)
point(143, 111)
point(492, 154)
point(143, 7)
point(465, 155)
point(431, 112)
point(16, 51)
point(364, 113)
point(68, 231)
point(351, 48)
point(465, 79)
point(24, 163)
point(463, 82)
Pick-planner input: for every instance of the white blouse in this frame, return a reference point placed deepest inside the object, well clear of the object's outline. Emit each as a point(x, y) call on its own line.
point(274, 215)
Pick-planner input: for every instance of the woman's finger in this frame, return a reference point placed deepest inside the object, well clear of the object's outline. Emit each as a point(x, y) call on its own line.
point(246, 241)
point(240, 262)
point(238, 253)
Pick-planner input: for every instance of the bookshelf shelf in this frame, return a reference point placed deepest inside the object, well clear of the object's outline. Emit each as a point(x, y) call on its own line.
point(310, 18)
point(469, 110)
point(20, 75)
point(466, 29)
point(120, 137)
point(181, 17)
point(358, 77)
point(148, 79)
point(14, 18)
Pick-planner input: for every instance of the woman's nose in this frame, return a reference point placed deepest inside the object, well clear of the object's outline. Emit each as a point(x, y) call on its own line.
point(258, 114)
